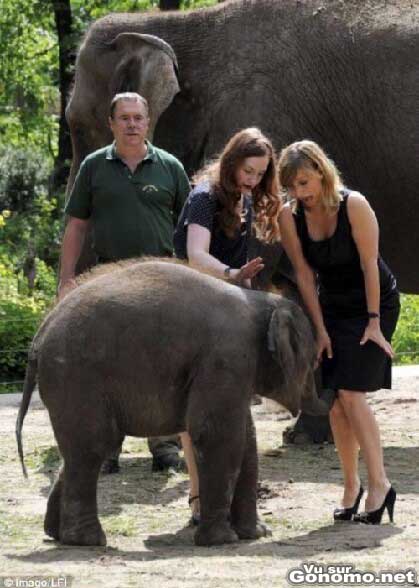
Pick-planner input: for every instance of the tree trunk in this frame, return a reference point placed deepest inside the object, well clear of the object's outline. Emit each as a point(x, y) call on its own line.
point(67, 54)
point(169, 4)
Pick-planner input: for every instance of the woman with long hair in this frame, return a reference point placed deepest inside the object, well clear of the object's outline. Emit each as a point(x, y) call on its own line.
point(234, 195)
point(330, 234)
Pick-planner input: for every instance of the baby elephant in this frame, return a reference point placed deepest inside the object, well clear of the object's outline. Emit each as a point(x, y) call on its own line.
point(154, 348)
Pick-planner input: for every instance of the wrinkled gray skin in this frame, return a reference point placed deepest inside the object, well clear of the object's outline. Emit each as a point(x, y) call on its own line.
point(342, 73)
point(153, 349)
point(130, 62)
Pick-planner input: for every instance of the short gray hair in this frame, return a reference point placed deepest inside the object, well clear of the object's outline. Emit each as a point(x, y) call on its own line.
point(130, 97)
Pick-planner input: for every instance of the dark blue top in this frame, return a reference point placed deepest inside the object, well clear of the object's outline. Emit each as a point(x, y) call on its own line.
point(203, 208)
point(337, 264)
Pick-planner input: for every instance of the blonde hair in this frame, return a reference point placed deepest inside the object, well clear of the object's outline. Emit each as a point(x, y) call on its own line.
point(221, 175)
point(308, 154)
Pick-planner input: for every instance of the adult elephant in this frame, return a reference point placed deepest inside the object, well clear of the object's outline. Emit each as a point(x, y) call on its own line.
point(342, 73)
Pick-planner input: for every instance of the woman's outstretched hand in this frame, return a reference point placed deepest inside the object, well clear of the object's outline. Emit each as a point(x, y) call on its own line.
point(373, 333)
point(248, 270)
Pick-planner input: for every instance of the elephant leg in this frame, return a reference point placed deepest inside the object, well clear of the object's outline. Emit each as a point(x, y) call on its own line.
point(219, 441)
point(111, 463)
point(52, 516)
point(244, 519)
point(79, 523)
point(216, 486)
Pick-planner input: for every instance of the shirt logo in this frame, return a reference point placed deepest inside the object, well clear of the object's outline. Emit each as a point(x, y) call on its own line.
point(150, 188)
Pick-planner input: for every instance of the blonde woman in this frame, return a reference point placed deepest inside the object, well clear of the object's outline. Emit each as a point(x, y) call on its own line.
point(331, 237)
point(235, 194)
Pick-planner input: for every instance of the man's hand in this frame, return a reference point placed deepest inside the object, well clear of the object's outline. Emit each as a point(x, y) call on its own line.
point(65, 286)
point(74, 235)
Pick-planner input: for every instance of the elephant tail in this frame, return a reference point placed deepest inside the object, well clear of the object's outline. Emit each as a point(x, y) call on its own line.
point(28, 388)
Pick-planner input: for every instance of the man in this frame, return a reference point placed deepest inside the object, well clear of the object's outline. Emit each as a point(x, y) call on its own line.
point(130, 193)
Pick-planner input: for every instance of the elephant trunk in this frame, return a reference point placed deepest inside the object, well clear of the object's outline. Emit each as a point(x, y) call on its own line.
point(310, 401)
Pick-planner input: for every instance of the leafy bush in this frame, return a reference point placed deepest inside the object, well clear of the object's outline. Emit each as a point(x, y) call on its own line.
point(20, 315)
point(30, 221)
point(406, 338)
point(23, 176)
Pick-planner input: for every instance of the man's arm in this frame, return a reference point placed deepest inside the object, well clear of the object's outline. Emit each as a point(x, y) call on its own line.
point(182, 192)
point(73, 240)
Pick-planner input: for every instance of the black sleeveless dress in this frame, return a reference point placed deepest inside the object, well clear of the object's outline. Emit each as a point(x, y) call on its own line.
point(342, 298)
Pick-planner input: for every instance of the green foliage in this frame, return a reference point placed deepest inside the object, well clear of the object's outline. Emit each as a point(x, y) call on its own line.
point(194, 4)
point(28, 74)
point(87, 10)
point(23, 174)
point(43, 459)
point(29, 220)
point(406, 337)
point(20, 315)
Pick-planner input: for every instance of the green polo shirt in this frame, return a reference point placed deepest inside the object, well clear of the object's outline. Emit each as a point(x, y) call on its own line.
point(132, 214)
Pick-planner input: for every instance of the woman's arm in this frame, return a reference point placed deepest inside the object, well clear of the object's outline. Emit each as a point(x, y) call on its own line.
point(305, 278)
point(365, 233)
point(197, 247)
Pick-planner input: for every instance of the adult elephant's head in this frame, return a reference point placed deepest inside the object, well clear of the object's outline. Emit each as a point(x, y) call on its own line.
point(128, 62)
point(147, 65)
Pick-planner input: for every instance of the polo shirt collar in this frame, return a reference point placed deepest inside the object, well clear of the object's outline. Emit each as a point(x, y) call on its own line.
point(150, 155)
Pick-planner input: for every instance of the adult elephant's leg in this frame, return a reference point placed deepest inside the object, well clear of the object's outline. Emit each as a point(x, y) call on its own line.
point(79, 522)
point(111, 463)
point(218, 434)
point(244, 519)
point(52, 516)
point(165, 452)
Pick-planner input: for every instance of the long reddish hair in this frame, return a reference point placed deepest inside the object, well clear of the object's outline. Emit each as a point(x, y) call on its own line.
point(221, 174)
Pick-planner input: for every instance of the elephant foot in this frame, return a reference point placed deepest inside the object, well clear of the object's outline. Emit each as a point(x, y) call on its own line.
point(52, 524)
point(110, 466)
point(215, 534)
point(52, 531)
point(248, 532)
point(86, 537)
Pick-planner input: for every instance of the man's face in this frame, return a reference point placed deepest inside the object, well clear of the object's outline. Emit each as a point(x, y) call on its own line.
point(129, 124)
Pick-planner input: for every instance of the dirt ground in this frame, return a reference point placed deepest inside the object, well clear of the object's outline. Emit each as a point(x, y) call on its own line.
point(145, 515)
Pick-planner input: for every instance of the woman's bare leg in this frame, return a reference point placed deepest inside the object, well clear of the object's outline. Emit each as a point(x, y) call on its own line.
point(347, 447)
point(365, 428)
point(188, 452)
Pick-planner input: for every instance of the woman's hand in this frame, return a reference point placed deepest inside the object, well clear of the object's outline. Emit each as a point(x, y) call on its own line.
point(373, 333)
point(248, 271)
point(323, 344)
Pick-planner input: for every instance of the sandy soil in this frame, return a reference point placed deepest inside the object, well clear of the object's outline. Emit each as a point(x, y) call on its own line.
point(145, 515)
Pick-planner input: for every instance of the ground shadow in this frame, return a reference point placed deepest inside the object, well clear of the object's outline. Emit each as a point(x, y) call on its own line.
point(339, 539)
point(320, 463)
point(134, 484)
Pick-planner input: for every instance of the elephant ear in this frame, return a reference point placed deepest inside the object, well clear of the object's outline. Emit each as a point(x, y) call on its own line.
point(282, 343)
point(126, 41)
point(145, 64)
point(291, 343)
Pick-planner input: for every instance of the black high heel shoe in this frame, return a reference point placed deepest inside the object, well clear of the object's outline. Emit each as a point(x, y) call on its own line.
point(346, 514)
point(374, 516)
